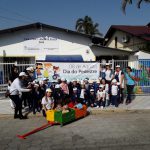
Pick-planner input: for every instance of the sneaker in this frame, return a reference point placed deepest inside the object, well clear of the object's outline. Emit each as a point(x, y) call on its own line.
point(102, 107)
point(97, 106)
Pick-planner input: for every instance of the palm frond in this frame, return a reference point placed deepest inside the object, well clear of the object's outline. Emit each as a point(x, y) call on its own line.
point(140, 1)
point(124, 4)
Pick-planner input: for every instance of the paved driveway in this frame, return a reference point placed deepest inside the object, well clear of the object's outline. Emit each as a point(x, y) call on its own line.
point(110, 131)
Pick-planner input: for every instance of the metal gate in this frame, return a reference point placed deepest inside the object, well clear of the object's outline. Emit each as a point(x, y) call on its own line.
point(5, 70)
point(141, 68)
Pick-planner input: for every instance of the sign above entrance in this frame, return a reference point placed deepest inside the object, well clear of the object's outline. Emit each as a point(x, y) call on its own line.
point(40, 44)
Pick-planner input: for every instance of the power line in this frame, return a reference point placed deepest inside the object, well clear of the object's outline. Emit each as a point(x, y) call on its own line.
point(13, 19)
point(18, 14)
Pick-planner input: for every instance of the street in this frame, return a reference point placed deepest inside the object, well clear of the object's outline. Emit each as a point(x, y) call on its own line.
point(108, 131)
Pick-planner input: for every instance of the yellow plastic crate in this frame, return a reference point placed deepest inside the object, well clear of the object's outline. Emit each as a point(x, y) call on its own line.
point(50, 115)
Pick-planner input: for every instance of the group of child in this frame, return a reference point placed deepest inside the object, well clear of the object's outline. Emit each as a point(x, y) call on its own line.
point(44, 95)
point(76, 93)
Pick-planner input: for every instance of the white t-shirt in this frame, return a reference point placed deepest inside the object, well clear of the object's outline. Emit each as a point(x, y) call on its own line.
point(82, 93)
point(48, 103)
point(114, 90)
point(100, 94)
point(108, 75)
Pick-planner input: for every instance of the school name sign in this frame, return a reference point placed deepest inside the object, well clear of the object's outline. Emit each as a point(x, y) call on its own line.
point(70, 71)
point(40, 44)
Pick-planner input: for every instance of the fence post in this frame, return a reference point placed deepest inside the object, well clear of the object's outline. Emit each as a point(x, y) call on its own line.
point(113, 64)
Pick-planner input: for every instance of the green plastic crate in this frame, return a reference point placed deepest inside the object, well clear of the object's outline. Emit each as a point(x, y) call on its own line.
point(64, 118)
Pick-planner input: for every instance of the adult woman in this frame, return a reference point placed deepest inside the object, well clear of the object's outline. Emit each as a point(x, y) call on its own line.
point(108, 74)
point(15, 90)
point(14, 74)
point(119, 76)
point(130, 76)
point(47, 102)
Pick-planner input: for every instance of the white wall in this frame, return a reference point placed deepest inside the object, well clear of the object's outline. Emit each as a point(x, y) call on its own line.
point(133, 44)
point(143, 55)
point(68, 44)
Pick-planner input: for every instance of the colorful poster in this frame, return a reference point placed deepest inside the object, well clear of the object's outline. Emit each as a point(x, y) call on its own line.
point(69, 71)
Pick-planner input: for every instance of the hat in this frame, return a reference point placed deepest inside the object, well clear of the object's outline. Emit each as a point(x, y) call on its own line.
point(30, 69)
point(118, 66)
point(35, 81)
point(57, 86)
point(91, 90)
point(45, 79)
point(101, 86)
point(107, 64)
point(68, 81)
point(22, 74)
point(74, 80)
point(86, 79)
point(114, 81)
point(78, 81)
point(74, 89)
point(49, 90)
point(82, 82)
point(63, 79)
point(100, 78)
point(40, 82)
point(90, 81)
point(97, 81)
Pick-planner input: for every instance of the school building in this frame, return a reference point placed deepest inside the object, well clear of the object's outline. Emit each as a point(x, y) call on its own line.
point(38, 41)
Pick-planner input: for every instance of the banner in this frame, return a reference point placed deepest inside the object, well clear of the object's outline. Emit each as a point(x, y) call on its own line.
point(69, 71)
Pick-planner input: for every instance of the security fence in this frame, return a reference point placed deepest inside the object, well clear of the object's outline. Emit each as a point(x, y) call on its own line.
point(140, 67)
point(5, 70)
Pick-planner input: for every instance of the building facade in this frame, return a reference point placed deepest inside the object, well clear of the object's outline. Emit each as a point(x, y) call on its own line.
point(135, 39)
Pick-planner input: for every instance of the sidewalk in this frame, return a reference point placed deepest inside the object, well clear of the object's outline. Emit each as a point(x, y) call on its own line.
point(139, 103)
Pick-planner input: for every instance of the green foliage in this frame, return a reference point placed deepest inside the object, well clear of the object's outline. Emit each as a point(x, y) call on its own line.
point(87, 26)
point(125, 2)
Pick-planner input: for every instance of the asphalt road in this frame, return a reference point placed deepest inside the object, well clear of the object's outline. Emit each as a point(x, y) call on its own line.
point(110, 131)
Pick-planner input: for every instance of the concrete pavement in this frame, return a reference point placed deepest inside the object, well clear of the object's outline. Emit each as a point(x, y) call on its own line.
point(139, 103)
point(112, 131)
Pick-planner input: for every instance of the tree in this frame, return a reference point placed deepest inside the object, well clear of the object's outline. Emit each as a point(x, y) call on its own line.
point(125, 2)
point(85, 25)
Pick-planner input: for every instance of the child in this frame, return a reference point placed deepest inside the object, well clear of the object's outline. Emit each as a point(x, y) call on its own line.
point(78, 104)
point(101, 97)
point(114, 91)
point(92, 98)
point(75, 95)
point(59, 107)
point(47, 102)
point(106, 90)
point(83, 94)
point(65, 109)
point(58, 95)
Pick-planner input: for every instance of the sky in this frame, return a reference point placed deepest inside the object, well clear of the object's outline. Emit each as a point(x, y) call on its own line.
point(64, 13)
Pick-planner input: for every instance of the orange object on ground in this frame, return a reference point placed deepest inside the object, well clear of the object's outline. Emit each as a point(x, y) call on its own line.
point(79, 113)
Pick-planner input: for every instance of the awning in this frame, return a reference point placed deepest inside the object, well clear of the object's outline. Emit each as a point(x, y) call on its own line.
point(64, 58)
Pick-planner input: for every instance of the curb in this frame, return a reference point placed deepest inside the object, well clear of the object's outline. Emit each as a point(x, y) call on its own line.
point(29, 116)
point(117, 110)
